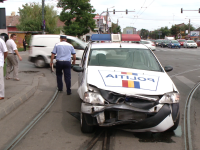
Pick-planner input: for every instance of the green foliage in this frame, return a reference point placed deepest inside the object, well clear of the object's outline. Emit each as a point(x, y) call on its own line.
point(78, 17)
point(165, 32)
point(115, 28)
point(175, 30)
point(31, 18)
point(186, 27)
point(144, 33)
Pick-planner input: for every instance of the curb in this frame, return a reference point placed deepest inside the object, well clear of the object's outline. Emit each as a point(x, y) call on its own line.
point(14, 102)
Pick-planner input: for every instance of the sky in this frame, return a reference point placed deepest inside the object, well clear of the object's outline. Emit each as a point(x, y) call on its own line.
point(148, 14)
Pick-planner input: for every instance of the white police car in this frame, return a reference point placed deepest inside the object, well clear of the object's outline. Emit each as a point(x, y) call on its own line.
point(124, 85)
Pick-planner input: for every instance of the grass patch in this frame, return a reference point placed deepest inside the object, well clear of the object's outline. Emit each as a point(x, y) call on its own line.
point(21, 49)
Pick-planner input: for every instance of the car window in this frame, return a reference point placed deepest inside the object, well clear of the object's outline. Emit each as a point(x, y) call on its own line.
point(84, 57)
point(75, 44)
point(127, 58)
point(144, 42)
point(175, 41)
point(190, 41)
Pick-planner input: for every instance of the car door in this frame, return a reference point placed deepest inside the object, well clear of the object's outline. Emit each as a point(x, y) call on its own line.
point(81, 75)
point(78, 48)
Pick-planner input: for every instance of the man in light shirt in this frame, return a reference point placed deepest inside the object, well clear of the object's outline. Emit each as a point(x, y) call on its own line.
point(3, 55)
point(12, 60)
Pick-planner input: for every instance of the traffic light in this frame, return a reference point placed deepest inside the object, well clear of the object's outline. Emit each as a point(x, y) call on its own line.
point(199, 10)
point(113, 11)
point(126, 11)
point(181, 10)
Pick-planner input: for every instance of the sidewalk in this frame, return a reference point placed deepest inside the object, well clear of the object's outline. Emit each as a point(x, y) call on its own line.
point(17, 92)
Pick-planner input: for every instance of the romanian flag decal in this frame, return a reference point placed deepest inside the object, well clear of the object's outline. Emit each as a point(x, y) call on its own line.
point(131, 84)
point(129, 73)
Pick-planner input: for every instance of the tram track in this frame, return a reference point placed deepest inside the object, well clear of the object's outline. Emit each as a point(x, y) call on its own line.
point(103, 136)
point(20, 136)
point(187, 126)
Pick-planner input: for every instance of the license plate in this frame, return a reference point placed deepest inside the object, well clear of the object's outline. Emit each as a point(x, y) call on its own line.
point(131, 115)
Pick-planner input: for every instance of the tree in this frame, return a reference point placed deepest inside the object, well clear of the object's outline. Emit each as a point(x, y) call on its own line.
point(115, 28)
point(78, 16)
point(31, 18)
point(165, 32)
point(186, 27)
point(175, 30)
point(144, 33)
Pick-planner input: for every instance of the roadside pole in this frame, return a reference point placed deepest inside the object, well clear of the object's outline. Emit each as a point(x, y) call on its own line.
point(43, 21)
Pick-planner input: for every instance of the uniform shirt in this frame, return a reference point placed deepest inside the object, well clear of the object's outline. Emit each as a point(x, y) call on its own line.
point(63, 51)
point(2, 50)
point(11, 46)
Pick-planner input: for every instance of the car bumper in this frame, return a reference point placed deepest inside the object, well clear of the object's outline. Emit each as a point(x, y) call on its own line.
point(176, 46)
point(191, 46)
point(127, 117)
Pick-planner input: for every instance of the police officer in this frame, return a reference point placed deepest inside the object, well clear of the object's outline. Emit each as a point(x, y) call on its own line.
point(64, 51)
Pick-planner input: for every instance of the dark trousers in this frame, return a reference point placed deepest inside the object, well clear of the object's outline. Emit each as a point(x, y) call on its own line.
point(24, 47)
point(64, 66)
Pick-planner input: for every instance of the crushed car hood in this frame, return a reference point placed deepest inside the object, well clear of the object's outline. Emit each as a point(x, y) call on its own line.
point(130, 81)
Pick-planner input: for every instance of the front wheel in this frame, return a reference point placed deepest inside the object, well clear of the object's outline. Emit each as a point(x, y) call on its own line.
point(85, 128)
point(40, 62)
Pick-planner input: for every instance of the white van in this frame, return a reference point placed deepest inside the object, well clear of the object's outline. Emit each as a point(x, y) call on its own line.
point(41, 47)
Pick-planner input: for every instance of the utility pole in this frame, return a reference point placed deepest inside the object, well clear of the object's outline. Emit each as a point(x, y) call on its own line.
point(107, 15)
point(117, 22)
point(43, 21)
point(189, 27)
point(107, 19)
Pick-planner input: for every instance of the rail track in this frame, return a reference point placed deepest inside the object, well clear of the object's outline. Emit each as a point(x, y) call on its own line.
point(187, 127)
point(101, 135)
point(19, 137)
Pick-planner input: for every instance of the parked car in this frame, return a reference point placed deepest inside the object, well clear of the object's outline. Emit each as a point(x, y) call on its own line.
point(149, 44)
point(164, 43)
point(124, 85)
point(174, 44)
point(198, 43)
point(181, 41)
point(41, 47)
point(158, 42)
point(189, 43)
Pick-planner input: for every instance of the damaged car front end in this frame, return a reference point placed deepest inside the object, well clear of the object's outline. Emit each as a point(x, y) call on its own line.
point(138, 113)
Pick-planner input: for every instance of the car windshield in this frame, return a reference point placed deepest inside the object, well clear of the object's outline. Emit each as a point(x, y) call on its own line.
point(166, 42)
point(158, 41)
point(124, 57)
point(144, 42)
point(175, 41)
point(190, 41)
point(181, 40)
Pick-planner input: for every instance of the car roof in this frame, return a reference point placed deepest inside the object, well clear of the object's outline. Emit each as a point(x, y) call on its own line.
point(117, 45)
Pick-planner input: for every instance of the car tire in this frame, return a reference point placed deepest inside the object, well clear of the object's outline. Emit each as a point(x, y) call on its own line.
point(40, 62)
point(176, 123)
point(85, 128)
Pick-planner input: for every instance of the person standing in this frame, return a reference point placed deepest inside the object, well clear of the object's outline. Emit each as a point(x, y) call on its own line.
point(24, 43)
point(64, 51)
point(3, 55)
point(12, 60)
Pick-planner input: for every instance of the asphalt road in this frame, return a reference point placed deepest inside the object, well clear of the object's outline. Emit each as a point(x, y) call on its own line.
point(60, 128)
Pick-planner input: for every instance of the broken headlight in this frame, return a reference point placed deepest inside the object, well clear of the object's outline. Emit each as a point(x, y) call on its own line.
point(93, 98)
point(170, 98)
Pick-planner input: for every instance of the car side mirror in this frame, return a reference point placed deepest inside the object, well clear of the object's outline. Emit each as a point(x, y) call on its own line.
point(78, 69)
point(168, 68)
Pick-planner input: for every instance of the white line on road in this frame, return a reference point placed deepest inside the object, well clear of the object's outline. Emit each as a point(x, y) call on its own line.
point(184, 72)
point(186, 81)
point(75, 86)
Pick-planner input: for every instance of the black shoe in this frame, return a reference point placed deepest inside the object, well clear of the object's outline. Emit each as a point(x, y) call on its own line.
point(60, 90)
point(69, 93)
